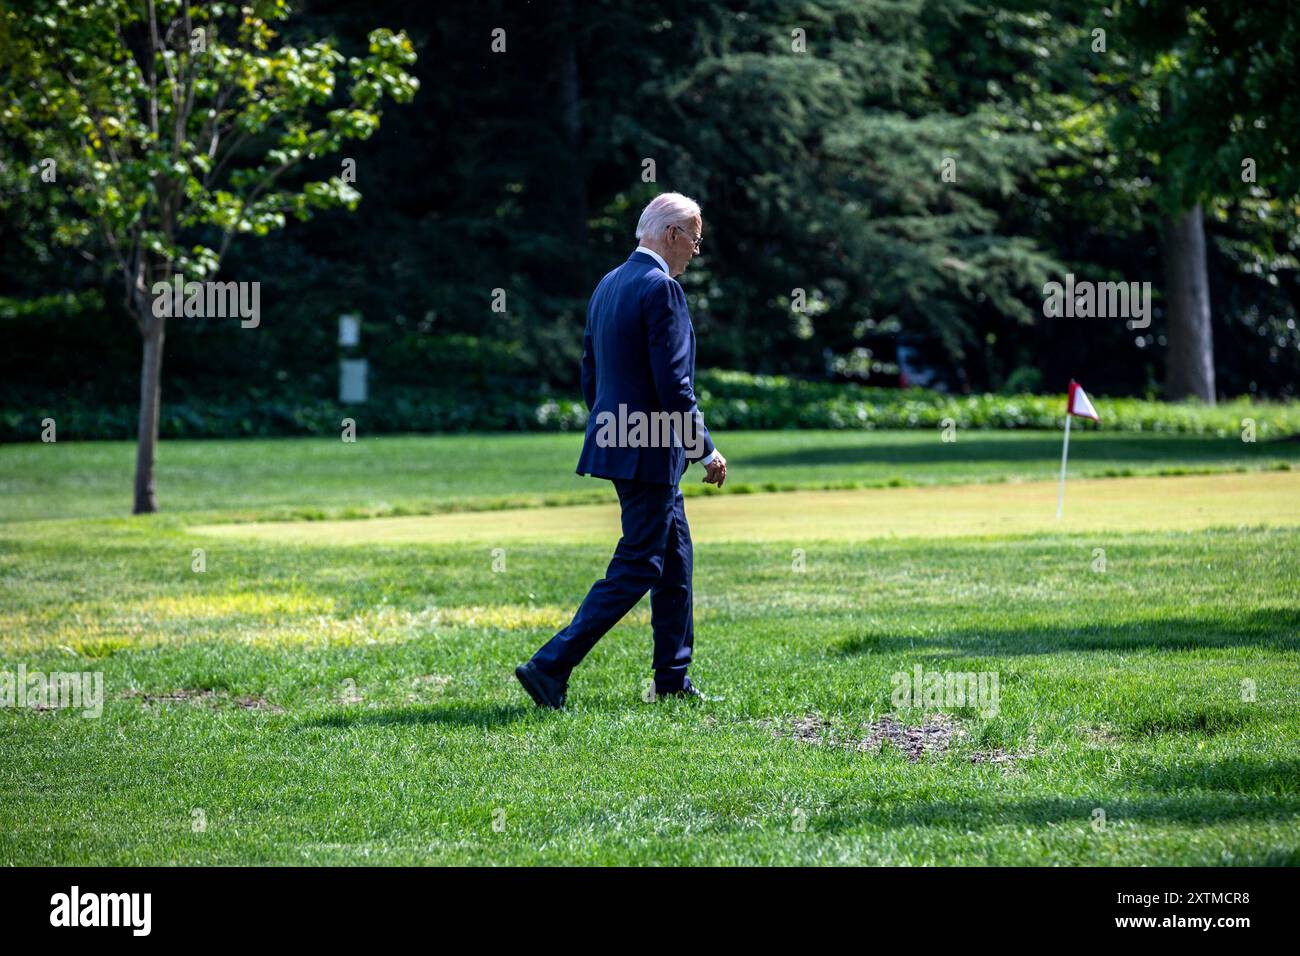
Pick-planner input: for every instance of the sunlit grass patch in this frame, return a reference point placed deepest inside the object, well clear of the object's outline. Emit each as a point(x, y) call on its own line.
point(1268, 498)
point(245, 603)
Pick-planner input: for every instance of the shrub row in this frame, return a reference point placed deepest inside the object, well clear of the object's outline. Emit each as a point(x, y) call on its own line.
point(733, 400)
point(741, 400)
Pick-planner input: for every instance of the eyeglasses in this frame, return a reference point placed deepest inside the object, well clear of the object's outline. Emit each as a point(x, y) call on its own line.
point(695, 242)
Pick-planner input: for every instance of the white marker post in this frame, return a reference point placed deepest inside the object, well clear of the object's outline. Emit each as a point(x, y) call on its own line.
point(1065, 452)
point(1076, 403)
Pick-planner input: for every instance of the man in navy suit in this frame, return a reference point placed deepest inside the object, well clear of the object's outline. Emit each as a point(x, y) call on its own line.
point(645, 429)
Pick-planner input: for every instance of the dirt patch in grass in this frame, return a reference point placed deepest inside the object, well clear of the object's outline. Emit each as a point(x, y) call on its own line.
point(809, 729)
point(935, 735)
point(253, 702)
point(197, 695)
point(997, 757)
point(200, 696)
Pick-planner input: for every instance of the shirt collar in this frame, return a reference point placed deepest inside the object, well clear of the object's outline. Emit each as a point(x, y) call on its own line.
point(657, 258)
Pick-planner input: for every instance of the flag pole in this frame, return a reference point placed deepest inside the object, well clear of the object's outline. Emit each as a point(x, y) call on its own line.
point(1065, 450)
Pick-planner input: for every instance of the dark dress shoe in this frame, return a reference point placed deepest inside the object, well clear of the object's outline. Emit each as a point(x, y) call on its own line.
point(688, 692)
point(545, 691)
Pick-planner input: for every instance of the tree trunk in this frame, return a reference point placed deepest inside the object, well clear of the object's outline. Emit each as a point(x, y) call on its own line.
point(146, 500)
point(1190, 369)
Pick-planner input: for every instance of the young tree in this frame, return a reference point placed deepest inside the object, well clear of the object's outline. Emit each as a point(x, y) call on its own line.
point(172, 127)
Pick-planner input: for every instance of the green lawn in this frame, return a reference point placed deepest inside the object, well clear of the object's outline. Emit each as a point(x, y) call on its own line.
point(312, 703)
point(408, 474)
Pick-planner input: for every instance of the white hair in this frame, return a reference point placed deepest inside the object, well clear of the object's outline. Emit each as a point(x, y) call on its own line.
point(668, 209)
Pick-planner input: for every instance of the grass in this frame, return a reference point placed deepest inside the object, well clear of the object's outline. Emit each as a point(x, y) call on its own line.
point(311, 703)
point(407, 474)
point(1097, 505)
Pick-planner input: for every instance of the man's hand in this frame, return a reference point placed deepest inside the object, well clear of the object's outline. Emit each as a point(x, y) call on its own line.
point(715, 472)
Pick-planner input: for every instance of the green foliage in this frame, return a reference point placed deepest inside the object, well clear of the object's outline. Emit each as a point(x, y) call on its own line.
point(741, 400)
point(1210, 87)
point(172, 126)
point(817, 170)
point(733, 400)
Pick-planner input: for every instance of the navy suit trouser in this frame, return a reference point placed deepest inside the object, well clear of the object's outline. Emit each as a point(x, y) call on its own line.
point(654, 554)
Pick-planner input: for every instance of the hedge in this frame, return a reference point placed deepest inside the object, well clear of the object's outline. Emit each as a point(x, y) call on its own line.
point(730, 400)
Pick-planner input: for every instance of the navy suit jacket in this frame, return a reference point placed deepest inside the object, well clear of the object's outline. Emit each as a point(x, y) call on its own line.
point(638, 351)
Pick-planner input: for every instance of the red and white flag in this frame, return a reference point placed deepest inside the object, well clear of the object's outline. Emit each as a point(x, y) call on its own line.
point(1078, 404)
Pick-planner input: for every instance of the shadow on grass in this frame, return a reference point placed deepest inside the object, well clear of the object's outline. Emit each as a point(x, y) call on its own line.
point(471, 715)
point(1234, 775)
point(975, 815)
point(1273, 628)
point(1170, 450)
point(485, 716)
point(1207, 792)
point(1202, 722)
